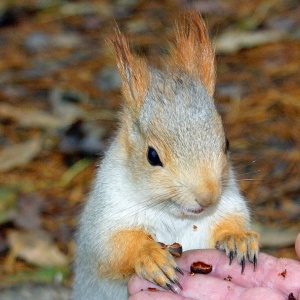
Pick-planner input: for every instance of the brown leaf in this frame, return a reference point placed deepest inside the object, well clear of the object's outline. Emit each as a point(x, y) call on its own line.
point(35, 247)
point(32, 118)
point(19, 155)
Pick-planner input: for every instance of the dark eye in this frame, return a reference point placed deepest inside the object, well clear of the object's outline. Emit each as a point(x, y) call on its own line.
point(153, 157)
point(226, 146)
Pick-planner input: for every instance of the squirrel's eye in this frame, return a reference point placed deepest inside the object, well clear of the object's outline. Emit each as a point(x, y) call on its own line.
point(226, 146)
point(153, 157)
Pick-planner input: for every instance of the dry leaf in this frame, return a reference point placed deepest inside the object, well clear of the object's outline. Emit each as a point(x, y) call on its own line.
point(19, 155)
point(31, 118)
point(35, 247)
point(233, 40)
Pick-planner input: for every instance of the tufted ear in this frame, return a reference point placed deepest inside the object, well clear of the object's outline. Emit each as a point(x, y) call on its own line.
point(193, 53)
point(134, 72)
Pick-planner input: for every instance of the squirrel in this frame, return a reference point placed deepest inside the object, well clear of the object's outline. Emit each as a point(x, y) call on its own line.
point(166, 172)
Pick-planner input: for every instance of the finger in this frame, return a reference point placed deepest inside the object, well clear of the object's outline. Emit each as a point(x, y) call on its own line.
point(209, 288)
point(147, 295)
point(137, 284)
point(204, 287)
point(261, 293)
point(267, 274)
point(141, 289)
point(297, 245)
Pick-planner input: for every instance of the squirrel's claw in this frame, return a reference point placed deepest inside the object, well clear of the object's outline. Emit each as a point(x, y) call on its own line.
point(178, 284)
point(179, 270)
point(170, 287)
point(231, 255)
point(254, 261)
point(244, 246)
point(243, 263)
point(158, 266)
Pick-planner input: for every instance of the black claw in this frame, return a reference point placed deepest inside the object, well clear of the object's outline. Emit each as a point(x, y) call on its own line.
point(254, 261)
point(231, 254)
point(176, 282)
point(170, 287)
point(179, 270)
point(179, 285)
point(243, 262)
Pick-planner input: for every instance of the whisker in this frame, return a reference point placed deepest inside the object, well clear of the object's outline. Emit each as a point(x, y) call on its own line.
point(250, 179)
point(141, 205)
point(247, 165)
point(248, 173)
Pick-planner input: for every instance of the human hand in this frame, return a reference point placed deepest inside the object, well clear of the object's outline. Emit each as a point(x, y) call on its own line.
point(268, 281)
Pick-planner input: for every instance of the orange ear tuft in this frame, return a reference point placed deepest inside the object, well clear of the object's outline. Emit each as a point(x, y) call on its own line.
point(133, 70)
point(193, 53)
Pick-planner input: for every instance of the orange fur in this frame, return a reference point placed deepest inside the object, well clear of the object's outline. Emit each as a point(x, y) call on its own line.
point(211, 186)
point(136, 251)
point(193, 52)
point(126, 246)
point(134, 73)
point(231, 235)
point(231, 225)
point(150, 262)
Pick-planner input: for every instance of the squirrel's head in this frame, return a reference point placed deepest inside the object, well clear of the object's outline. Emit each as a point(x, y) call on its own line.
point(172, 134)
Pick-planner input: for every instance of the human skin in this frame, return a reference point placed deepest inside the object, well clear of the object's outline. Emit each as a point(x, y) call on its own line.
point(297, 245)
point(273, 279)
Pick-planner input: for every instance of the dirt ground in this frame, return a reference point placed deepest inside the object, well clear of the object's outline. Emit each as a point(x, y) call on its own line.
point(59, 102)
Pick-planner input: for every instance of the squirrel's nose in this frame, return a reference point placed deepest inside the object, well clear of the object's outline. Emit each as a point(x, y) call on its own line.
point(208, 194)
point(207, 200)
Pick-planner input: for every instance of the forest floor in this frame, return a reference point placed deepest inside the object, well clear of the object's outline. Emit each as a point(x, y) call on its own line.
point(59, 98)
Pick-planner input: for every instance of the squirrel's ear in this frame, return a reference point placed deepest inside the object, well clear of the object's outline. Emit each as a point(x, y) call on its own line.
point(133, 70)
point(193, 52)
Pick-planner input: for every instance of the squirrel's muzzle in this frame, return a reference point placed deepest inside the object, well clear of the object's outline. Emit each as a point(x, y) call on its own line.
point(207, 192)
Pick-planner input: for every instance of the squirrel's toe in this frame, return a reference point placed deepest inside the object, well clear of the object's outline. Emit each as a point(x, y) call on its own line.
point(244, 245)
point(158, 266)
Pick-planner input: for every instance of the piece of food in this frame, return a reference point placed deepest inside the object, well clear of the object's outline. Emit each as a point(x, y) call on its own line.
point(200, 267)
point(283, 274)
point(151, 289)
point(228, 278)
point(175, 249)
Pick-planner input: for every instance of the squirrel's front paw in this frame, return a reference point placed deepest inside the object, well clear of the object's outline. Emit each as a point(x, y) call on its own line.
point(158, 266)
point(244, 245)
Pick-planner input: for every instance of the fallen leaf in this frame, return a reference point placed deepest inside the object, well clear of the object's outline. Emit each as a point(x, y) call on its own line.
point(74, 171)
point(32, 118)
point(233, 40)
point(35, 247)
point(19, 154)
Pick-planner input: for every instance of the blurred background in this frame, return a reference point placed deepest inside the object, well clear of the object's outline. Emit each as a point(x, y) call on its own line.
point(59, 102)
